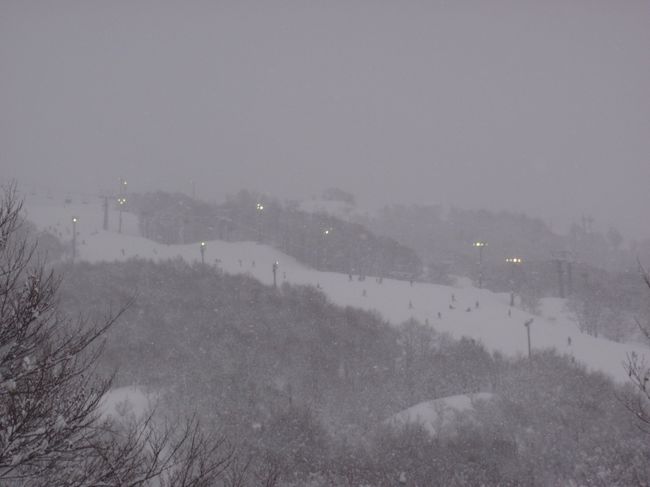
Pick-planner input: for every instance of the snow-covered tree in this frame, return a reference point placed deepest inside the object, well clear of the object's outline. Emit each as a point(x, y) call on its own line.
point(51, 429)
point(638, 370)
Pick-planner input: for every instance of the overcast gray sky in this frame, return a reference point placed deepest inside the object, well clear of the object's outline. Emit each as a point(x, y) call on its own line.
point(541, 107)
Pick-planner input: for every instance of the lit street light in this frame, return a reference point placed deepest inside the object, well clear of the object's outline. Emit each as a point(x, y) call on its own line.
point(479, 245)
point(121, 201)
point(514, 261)
point(203, 245)
point(74, 237)
point(326, 233)
point(260, 208)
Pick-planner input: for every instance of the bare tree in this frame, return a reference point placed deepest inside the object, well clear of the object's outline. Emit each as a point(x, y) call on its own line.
point(638, 370)
point(51, 430)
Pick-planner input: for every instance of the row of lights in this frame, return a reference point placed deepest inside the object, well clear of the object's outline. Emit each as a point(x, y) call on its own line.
point(511, 260)
point(480, 245)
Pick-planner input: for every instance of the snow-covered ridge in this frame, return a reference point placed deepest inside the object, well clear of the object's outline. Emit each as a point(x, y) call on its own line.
point(462, 310)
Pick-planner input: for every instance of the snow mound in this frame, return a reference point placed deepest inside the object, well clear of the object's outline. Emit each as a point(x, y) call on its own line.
point(437, 416)
point(126, 403)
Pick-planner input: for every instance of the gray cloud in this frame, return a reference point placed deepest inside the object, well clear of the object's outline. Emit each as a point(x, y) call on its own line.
point(539, 107)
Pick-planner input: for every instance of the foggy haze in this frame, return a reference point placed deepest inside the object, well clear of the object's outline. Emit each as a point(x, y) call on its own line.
point(540, 107)
point(265, 331)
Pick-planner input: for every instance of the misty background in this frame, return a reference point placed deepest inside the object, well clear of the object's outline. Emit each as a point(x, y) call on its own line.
point(538, 107)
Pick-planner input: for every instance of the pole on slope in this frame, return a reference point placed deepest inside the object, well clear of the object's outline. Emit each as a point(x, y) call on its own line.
point(74, 237)
point(560, 278)
point(105, 213)
point(479, 245)
point(513, 261)
point(527, 325)
point(121, 201)
point(276, 264)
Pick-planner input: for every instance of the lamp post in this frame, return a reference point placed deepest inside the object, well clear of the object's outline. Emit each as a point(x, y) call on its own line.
point(105, 208)
point(326, 233)
point(123, 185)
point(203, 245)
point(514, 262)
point(527, 325)
point(479, 245)
point(276, 264)
point(121, 201)
point(74, 237)
point(260, 208)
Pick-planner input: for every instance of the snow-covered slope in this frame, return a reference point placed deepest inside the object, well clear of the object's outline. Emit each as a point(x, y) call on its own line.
point(395, 300)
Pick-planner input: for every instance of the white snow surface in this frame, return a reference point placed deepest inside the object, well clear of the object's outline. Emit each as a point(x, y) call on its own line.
point(125, 402)
point(437, 415)
point(395, 300)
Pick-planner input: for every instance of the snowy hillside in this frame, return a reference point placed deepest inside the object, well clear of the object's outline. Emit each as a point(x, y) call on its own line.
point(477, 313)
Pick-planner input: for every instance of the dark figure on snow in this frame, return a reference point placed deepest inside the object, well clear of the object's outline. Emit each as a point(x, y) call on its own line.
point(568, 341)
point(439, 315)
point(476, 305)
point(364, 293)
point(451, 307)
point(509, 312)
point(410, 304)
point(453, 298)
point(469, 309)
